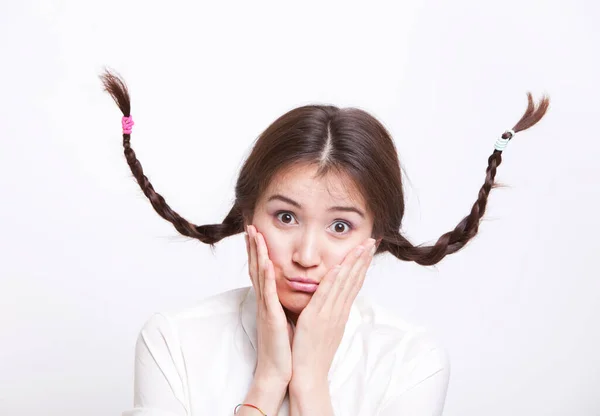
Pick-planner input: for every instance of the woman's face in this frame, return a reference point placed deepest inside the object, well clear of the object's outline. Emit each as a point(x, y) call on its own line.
point(305, 230)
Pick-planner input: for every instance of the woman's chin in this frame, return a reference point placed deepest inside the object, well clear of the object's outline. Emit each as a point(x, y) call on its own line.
point(293, 301)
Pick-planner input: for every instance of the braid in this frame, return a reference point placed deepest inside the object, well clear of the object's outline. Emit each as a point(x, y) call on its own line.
point(210, 233)
point(391, 241)
point(456, 239)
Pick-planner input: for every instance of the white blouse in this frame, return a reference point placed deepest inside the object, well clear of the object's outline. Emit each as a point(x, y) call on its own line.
point(200, 361)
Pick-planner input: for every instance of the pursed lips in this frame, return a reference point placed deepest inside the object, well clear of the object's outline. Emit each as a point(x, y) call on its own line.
point(302, 280)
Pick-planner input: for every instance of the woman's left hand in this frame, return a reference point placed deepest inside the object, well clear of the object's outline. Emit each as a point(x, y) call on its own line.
point(321, 324)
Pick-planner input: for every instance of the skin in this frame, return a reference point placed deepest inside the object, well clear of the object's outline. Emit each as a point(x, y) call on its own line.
point(314, 242)
point(309, 241)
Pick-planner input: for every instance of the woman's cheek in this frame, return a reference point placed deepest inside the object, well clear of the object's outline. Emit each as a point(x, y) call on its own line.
point(273, 248)
point(277, 257)
point(280, 254)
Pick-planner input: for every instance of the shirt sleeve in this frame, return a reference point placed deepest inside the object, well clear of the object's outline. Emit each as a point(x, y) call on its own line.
point(159, 385)
point(423, 393)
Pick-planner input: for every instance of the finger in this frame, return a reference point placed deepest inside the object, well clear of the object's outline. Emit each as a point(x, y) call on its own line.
point(263, 259)
point(290, 333)
point(254, 261)
point(360, 278)
point(247, 244)
point(350, 265)
point(268, 279)
point(321, 296)
point(260, 262)
point(247, 240)
point(346, 278)
point(356, 268)
point(342, 278)
point(270, 289)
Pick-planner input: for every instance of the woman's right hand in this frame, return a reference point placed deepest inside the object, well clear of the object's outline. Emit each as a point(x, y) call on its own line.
point(274, 331)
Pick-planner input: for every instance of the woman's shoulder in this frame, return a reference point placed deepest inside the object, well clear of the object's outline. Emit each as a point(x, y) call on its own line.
point(216, 309)
point(387, 331)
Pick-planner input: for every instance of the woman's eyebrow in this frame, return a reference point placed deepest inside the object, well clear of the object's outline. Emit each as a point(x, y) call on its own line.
point(296, 204)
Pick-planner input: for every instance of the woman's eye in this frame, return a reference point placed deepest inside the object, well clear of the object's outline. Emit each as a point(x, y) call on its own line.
point(338, 226)
point(285, 217)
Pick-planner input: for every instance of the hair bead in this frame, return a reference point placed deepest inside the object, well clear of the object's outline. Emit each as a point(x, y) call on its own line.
point(127, 123)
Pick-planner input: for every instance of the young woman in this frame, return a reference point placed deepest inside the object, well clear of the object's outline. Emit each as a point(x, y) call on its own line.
point(319, 195)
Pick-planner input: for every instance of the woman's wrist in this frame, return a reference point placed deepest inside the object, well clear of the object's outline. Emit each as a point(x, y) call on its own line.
point(310, 396)
point(302, 383)
point(307, 389)
point(266, 394)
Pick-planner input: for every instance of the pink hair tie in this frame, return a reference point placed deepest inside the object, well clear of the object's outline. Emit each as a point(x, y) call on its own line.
point(127, 123)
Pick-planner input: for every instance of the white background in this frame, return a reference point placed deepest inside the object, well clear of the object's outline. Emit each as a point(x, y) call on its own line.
point(85, 260)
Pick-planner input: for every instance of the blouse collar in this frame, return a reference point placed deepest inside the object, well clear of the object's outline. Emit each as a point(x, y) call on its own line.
point(346, 356)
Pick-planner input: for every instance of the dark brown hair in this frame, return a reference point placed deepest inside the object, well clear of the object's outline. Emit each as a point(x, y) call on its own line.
point(342, 140)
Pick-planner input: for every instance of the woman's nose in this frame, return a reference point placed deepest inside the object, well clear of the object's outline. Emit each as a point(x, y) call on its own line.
point(307, 250)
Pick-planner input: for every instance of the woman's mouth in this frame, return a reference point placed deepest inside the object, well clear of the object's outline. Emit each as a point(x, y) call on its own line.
point(302, 286)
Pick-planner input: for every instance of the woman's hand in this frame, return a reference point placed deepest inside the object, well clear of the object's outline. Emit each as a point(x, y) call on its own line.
point(274, 331)
point(321, 324)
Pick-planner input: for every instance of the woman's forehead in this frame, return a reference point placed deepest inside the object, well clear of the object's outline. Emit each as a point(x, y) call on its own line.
point(302, 182)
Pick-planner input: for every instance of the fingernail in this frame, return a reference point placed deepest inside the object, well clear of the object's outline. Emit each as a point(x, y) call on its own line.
point(373, 247)
point(359, 251)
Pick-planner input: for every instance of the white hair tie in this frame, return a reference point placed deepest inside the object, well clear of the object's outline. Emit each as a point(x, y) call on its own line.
point(501, 143)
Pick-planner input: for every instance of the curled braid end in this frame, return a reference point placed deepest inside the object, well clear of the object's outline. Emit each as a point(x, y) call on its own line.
point(116, 87)
point(533, 114)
